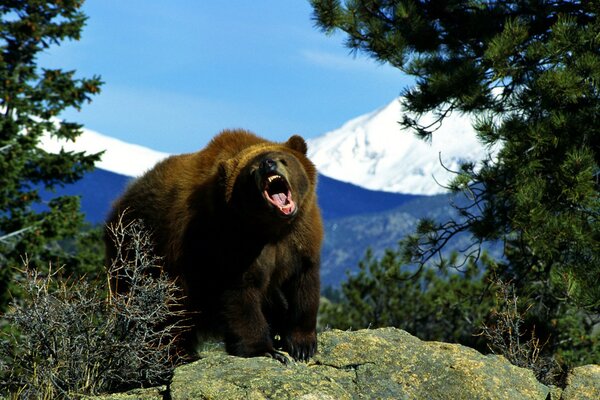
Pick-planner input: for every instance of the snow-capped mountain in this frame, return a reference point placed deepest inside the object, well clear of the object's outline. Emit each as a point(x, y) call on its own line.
point(372, 151)
point(119, 157)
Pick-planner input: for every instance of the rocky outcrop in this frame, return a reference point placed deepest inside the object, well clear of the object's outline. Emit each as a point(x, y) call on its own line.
point(369, 364)
point(583, 383)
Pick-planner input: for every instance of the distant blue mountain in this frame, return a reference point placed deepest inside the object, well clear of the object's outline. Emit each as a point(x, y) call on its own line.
point(98, 189)
point(340, 199)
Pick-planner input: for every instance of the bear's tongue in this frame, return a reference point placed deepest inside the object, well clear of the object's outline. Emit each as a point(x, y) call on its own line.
point(280, 199)
point(283, 201)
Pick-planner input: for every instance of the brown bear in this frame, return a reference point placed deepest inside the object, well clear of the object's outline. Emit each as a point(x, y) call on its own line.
point(238, 226)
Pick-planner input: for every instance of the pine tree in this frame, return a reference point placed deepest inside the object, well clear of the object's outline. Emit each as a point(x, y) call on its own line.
point(31, 101)
point(433, 304)
point(528, 73)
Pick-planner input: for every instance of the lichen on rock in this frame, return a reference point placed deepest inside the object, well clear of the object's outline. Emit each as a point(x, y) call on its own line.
point(384, 363)
point(583, 383)
point(390, 363)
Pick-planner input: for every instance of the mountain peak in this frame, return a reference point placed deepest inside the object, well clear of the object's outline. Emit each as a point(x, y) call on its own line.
point(375, 152)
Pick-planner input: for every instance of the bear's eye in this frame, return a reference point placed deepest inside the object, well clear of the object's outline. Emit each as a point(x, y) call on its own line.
point(284, 162)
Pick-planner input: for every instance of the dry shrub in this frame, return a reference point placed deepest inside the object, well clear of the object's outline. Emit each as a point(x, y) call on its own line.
point(506, 335)
point(72, 338)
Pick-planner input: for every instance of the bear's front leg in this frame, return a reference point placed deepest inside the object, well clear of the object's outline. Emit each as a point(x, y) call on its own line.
point(299, 330)
point(247, 332)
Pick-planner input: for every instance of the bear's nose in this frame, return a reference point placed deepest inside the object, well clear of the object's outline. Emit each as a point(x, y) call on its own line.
point(268, 165)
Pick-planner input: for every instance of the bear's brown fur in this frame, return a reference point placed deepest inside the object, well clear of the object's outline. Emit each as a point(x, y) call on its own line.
point(239, 228)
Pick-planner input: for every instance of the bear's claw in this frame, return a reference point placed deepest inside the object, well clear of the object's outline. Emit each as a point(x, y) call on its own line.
point(277, 355)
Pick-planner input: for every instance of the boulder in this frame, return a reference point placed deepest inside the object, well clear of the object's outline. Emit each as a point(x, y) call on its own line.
point(583, 383)
point(384, 363)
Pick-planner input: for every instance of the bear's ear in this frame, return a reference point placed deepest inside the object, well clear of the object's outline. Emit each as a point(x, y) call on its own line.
point(297, 143)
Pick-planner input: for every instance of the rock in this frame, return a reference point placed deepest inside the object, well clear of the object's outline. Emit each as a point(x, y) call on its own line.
point(390, 363)
point(385, 363)
point(220, 376)
point(583, 383)
point(156, 393)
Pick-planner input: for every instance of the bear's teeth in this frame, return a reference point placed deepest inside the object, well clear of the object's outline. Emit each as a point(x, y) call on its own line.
point(272, 178)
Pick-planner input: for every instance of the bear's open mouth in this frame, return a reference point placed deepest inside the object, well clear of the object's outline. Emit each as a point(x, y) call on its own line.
point(278, 193)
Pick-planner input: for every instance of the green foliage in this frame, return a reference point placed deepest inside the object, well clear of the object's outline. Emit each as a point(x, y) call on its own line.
point(466, 306)
point(445, 305)
point(31, 98)
point(528, 75)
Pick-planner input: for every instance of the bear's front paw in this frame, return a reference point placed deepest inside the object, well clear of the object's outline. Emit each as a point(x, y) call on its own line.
point(253, 348)
point(277, 355)
point(300, 345)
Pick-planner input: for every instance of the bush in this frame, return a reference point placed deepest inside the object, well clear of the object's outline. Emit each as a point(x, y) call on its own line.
point(72, 337)
point(506, 333)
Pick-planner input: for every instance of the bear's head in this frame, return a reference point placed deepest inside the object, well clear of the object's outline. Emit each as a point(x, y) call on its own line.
point(269, 182)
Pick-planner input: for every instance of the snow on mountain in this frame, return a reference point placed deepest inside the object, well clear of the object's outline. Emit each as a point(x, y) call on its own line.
point(121, 161)
point(119, 157)
point(373, 151)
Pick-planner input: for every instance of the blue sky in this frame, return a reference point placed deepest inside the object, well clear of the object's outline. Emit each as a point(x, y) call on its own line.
point(177, 72)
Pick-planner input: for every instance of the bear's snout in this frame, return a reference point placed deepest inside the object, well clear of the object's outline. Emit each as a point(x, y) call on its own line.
point(267, 166)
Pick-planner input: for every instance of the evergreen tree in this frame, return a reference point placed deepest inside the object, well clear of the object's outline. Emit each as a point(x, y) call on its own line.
point(31, 100)
point(528, 72)
point(433, 304)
